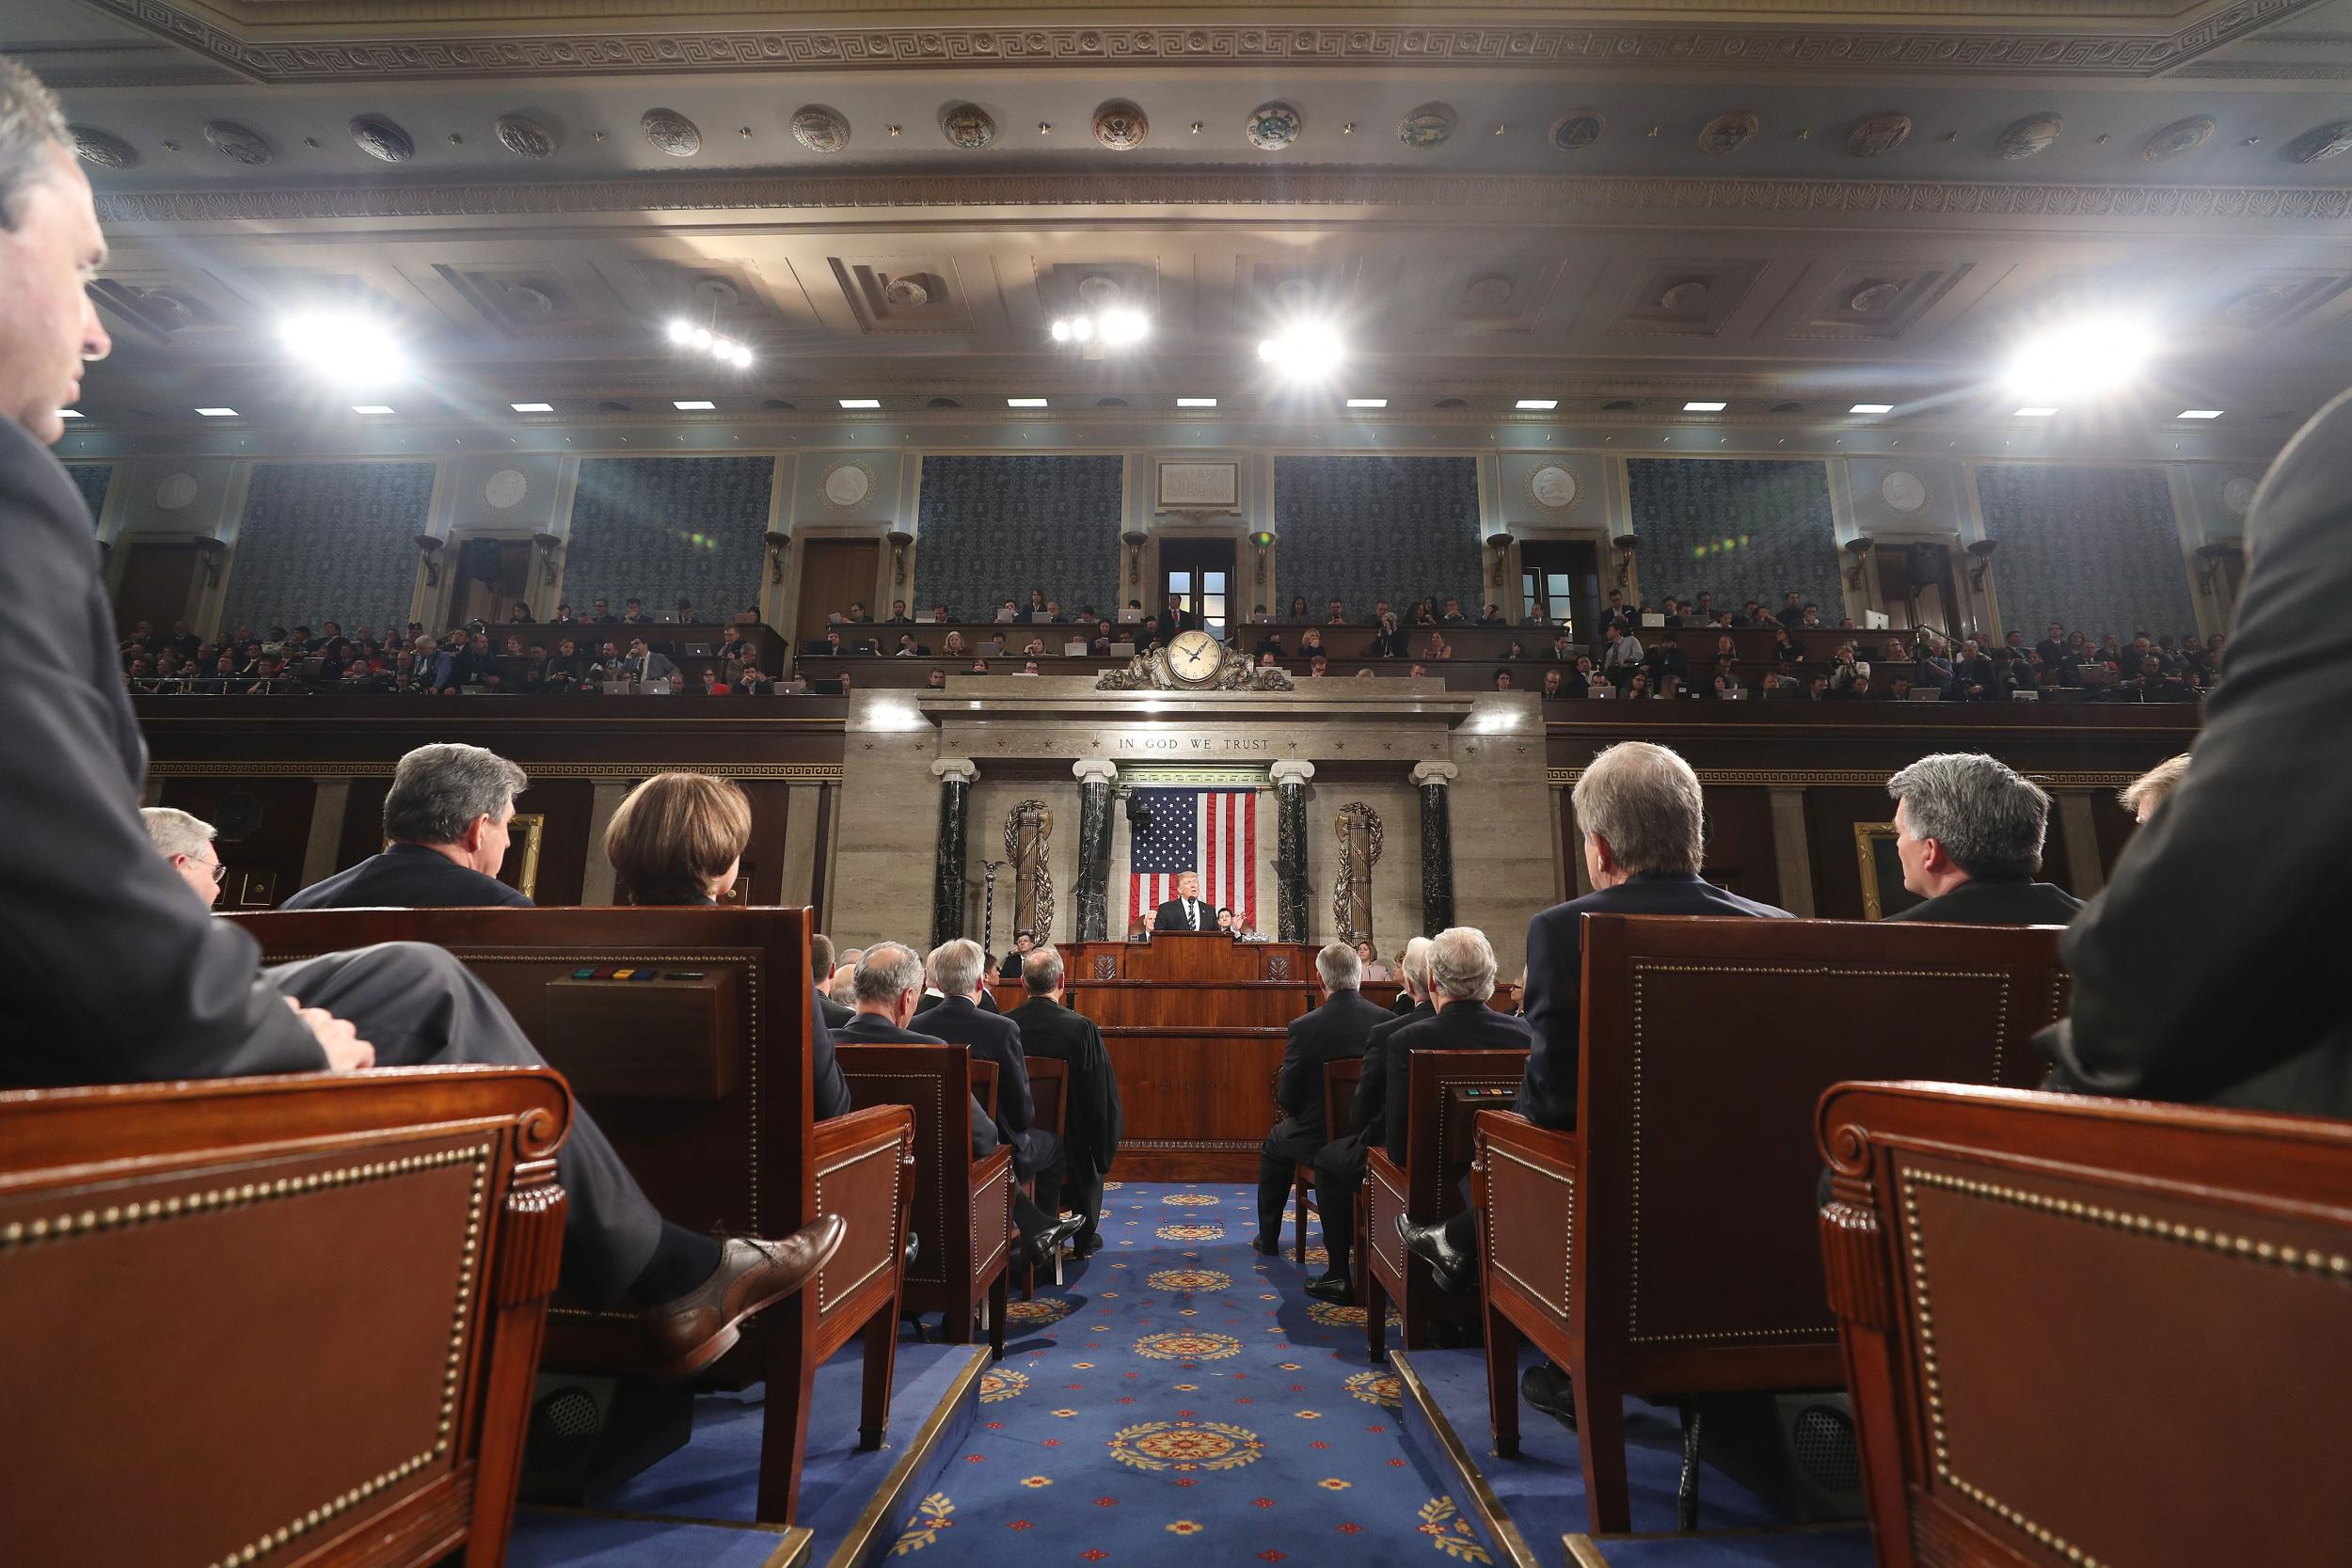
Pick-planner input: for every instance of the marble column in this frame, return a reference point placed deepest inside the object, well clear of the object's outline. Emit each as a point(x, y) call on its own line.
point(948, 886)
point(1437, 845)
point(1290, 775)
point(1095, 777)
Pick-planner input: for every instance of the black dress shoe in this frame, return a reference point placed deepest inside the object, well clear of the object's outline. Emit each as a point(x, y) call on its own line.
point(1456, 1271)
point(1086, 1247)
point(1270, 1245)
point(1041, 1246)
point(1337, 1289)
point(1547, 1387)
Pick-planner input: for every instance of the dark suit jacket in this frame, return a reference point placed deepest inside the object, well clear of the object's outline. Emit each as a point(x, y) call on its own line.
point(1092, 1120)
point(110, 970)
point(992, 1037)
point(1334, 1031)
point(1457, 1026)
point(407, 876)
point(1008, 967)
point(832, 1097)
point(1555, 977)
point(833, 1013)
point(2248, 1010)
point(1367, 1118)
point(1170, 916)
point(869, 1029)
point(1989, 903)
point(1403, 1002)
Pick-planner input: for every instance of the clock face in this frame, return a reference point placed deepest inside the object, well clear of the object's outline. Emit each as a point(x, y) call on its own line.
point(1194, 658)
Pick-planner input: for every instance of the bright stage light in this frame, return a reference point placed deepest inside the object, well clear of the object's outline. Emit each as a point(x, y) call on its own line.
point(1303, 351)
point(681, 332)
point(344, 346)
point(2098, 354)
point(1062, 332)
point(1120, 327)
point(702, 338)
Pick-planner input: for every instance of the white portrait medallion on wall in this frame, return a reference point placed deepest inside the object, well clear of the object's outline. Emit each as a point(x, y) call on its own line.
point(1552, 486)
point(1903, 490)
point(506, 489)
point(847, 485)
point(2237, 494)
point(175, 493)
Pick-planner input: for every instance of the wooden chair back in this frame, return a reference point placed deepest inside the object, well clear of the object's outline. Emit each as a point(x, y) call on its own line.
point(1339, 1078)
point(1049, 1093)
point(187, 1251)
point(984, 1086)
point(2083, 1330)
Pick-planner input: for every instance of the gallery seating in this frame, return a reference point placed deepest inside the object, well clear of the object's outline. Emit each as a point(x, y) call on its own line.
point(1445, 1090)
point(2083, 1330)
point(962, 1207)
point(179, 1286)
point(685, 1033)
point(1666, 1248)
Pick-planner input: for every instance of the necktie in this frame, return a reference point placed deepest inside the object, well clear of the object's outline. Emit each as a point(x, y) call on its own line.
point(1192, 912)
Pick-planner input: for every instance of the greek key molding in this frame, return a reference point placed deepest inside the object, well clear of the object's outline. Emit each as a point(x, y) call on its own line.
point(803, 772)
point(1852, 778)
point(1509, 45)
point(1540, 197)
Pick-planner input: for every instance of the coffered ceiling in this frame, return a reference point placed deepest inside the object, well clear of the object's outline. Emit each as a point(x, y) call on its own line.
point(1777, 203)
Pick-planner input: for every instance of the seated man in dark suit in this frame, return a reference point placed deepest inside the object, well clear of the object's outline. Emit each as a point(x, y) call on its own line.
point(1333, 1032)
point(821, 963)
point(889, 982)
point(445, 820)
point(1969, 832)
point(956, 971)
point(1185, 911)
point(1023, 944)
point(1091, 1116)
point(1340, 1163)
point(2253, 837)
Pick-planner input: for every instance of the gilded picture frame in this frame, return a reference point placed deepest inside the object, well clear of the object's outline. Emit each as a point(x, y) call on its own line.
point(1881, 868)
point(525, 831)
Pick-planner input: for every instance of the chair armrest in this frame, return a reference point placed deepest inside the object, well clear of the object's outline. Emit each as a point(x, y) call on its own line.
point(1530, 1183)
point(848, 1132)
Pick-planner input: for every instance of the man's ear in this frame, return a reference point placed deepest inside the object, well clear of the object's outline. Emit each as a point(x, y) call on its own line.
point(471, 837)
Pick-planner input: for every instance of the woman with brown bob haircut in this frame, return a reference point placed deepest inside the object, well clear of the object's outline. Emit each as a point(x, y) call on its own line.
point(679, 838)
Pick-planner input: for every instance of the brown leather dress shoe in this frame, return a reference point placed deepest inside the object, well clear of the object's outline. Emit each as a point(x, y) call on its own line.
point(689, 1334)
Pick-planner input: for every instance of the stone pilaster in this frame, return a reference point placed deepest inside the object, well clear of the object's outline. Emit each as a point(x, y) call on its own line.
point(947, 887)
point(1095, 777)
point(1290, 775)
point(598, 881)
point(1437, 845)
point(328, 809)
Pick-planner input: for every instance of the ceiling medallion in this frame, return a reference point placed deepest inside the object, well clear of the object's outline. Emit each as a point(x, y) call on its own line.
point(382, 140)
point(1879, 134)
point(1426, 126)
point(525, 138)
point(671, 132)
point(2324, 142)
point(1553, 487)
point(820, 129)
point(529, 299)
point(2181, 135)
point(1272, 127)
point(1876, 295)
point(1729, 133)
point(1903, 490)
point(967, 125)
point(97, 146)
point(906, 291)
point(2034, 133)
point(1572, 132)
point(1487, 292)
point(240, 142)
point(1689, 294)
point(1120, 126)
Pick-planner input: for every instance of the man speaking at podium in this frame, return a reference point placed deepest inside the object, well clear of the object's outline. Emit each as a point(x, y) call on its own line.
point(1185, 911)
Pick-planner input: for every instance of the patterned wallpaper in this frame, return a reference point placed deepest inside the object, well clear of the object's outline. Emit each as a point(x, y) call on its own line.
point(327, 541)
point(1738, 529)
point(2095, 549)
point(93, 479)
point(662, 529)
point(1365, 529)
point(991, 528)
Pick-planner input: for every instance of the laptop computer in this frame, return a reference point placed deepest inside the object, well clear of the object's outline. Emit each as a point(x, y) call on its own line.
point(1074, 649)
point(1926, 694)
point(1122, 650)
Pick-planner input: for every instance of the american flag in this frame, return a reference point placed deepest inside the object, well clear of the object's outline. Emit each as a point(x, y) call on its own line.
point(1214, 831)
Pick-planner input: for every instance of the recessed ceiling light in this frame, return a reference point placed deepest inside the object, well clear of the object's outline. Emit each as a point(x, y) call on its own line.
point(2035, 412)
point(1871, 408)
point(370, 407)
point(1367, 403)
point(1304, 351)
point(532, 407)
point(859, 402)
point(1705, 408)
point(1196, 402)
point(1538, 404)
point(693, 406)
point(2200, 414)
point(70, 414)
point(2094, 353)
point(218, 413)
point(1024, 403)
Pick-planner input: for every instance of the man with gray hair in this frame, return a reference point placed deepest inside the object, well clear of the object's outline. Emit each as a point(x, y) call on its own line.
point(446, 832)
point(2143, 795)
point(1968, 830)
point(1333, 1032)
point(958, 972)
point(1340, 1163)
point(186, 843)
point(1092, 1119)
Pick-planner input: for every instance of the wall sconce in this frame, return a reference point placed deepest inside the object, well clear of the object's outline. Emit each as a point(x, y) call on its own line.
point(1135, 539)
point(429, 548)
point(549, 543)
point(1626, 543)
point(898, 543)
point(1857, 551)
point(1983, 549)
point(213, 552)
point(1500, 544)
point(1264, 539)
point(776, 544)
point(2210, 557)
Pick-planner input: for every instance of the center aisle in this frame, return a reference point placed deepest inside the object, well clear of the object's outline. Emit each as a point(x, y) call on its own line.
point(1181, 1399)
